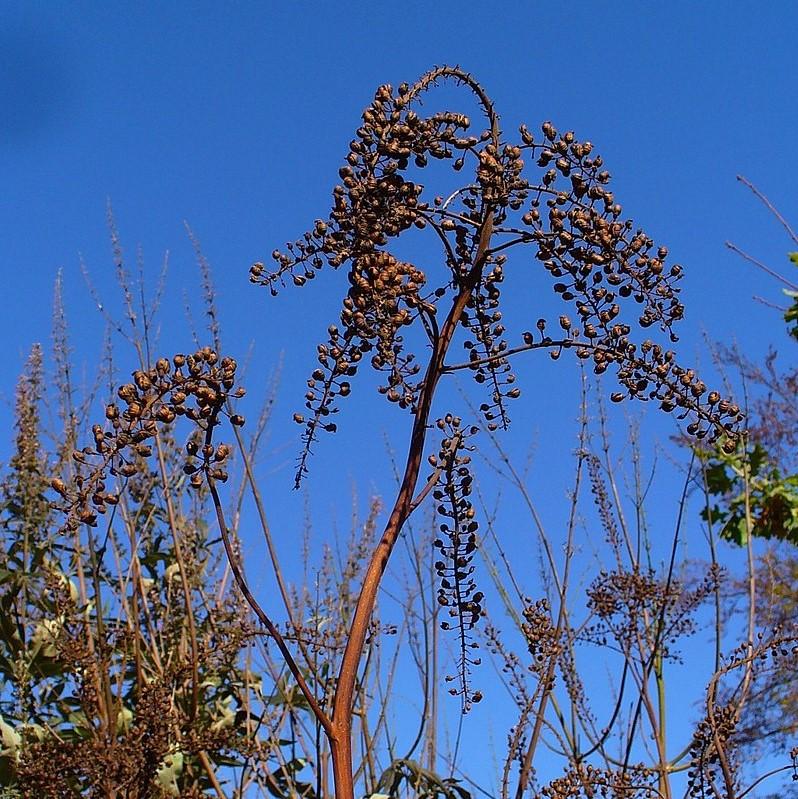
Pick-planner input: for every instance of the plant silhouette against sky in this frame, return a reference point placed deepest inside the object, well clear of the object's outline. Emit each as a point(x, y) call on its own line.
point(565, 220)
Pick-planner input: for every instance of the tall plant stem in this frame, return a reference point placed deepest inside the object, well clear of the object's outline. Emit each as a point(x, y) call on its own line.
point(341, 742)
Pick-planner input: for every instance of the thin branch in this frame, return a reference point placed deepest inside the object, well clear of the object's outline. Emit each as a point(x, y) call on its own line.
point(759, 265)
point(320, 715)
point(769, 205)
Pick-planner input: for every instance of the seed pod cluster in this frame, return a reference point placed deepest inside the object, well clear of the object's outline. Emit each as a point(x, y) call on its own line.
point(486, 345)
point(598, 262)
point(374, 202)
point(714, 756)
point(605, 508)
point(625, 600)
point(712, 737)
point(195, 387)
point(338, 360)
point(632, 781)
point(512, 669)
point(583, 240)
point(382, 299)
point(559, 205)
point(652, 373)
point(457, 544)
point(540, 634)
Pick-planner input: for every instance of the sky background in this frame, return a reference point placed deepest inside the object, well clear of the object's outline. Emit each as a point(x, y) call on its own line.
point(234, 119)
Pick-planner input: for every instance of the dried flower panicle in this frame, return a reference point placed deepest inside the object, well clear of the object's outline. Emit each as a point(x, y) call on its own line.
point(714, 750)
point(631, 603)
point(132, 759)
point(632, 781)
point(711, 744)
point(605, 508)
point(511, 665)
point(567, 215)
point(585, 780)
point(196, 387)
point(541, 635)
point(457, 544)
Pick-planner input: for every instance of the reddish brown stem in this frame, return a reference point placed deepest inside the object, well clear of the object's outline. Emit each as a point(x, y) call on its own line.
point(341, 740)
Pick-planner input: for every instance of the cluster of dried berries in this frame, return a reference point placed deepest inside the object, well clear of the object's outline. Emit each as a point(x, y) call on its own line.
point(653, 374)
point(649, 372)
point(457, 545)
point(566, 213)
point(374, 202)
point(628, 602)
point(383, 298)
point(99, 764)
point(540, 634)
point(486, 346)
point(583, 241)
point(196, 387)
point(713, 750)
point(53, 767)
point(710, 746)
point(634, 782)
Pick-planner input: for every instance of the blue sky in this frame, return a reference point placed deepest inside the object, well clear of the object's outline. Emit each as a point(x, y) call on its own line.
point(234, 118)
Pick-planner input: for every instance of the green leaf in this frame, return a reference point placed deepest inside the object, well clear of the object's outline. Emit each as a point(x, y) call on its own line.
point(736, 531)
point(718, 479)
point(7, 773)
point(757, 458)
point(424, 783)
point(10, 739)
point(168, 773)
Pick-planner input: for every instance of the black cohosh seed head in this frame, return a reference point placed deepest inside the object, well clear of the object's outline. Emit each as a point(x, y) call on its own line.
point(601, 262)
point(456, 545)
point(197, 387)
point(624, 601)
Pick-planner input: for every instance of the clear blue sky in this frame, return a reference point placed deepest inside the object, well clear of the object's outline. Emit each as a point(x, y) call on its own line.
point(235, 117)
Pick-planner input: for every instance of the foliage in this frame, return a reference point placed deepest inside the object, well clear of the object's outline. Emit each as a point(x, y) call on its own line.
point(750, 494)
point(791, 315)
point(423, 783)
point(117, 678)
point(754, 493)
point(750, 491)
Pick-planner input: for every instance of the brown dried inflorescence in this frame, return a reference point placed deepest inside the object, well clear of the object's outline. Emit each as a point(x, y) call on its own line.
point(542, 636)
point(107, 763)
point(457, 545)
point(566, 213)
point(634, 605)
point(196, 387)
point(715, 756)
point(634, 782)
point(568, 218)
